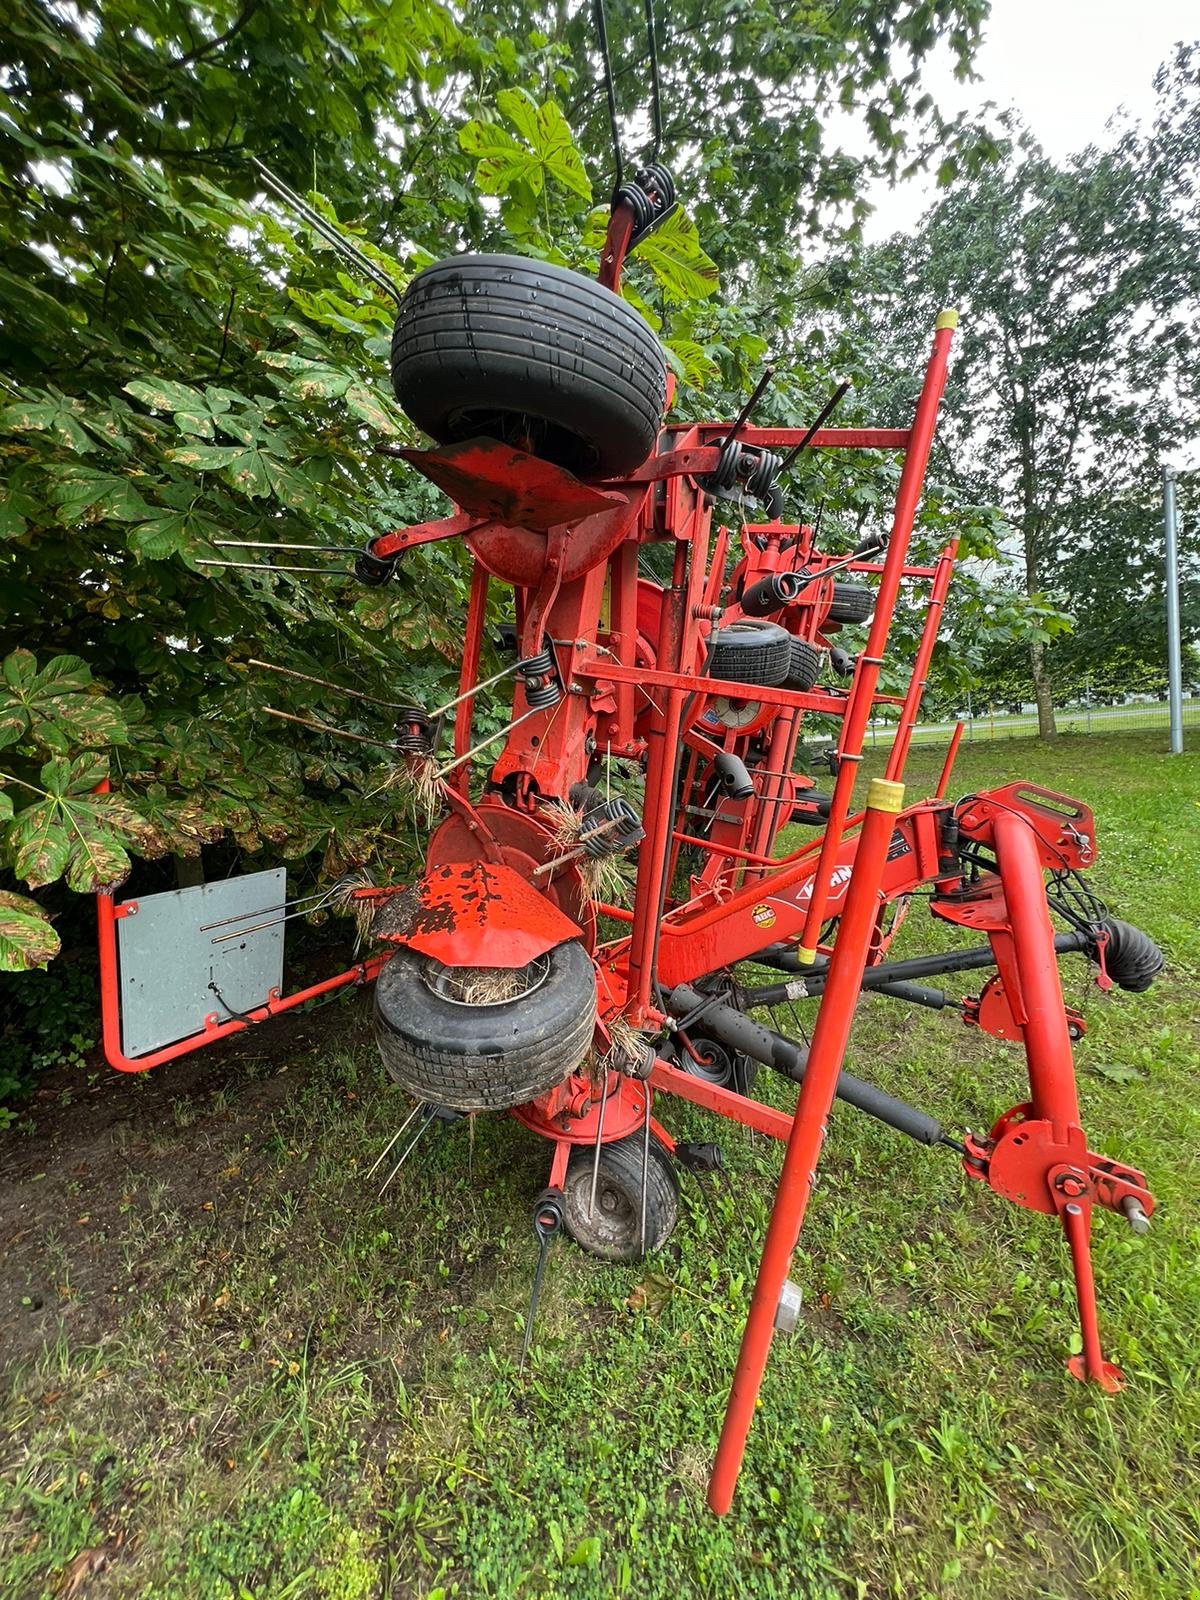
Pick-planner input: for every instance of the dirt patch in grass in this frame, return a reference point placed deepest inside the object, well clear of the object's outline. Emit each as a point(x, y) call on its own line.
point(89, 1139)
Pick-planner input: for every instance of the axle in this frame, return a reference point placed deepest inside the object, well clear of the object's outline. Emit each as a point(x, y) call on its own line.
point(740, 1032)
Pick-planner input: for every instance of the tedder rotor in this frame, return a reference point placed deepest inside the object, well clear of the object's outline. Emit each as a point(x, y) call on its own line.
point(662, 664)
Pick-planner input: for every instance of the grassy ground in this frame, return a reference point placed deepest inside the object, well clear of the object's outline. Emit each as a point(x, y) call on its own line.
point(1148, 718)
point(234, 1373)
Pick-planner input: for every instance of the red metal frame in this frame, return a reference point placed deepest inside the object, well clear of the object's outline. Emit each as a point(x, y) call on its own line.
point(108, 915)
point(631, 659)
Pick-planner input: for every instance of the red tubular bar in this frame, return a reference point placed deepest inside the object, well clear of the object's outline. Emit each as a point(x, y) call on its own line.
point(1052, 1092)
point(737, 1107)
point(469, 673)
point(1047, 1040)
point(944, 571)
point(808, 1131)
point(866, 674)
point(110, 1003)
point(823, 439)
point(948, 764)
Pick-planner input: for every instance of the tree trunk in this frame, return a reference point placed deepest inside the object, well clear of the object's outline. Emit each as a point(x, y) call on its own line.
point(1042, 693)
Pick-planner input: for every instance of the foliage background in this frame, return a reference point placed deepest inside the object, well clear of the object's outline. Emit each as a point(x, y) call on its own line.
point(183, 362)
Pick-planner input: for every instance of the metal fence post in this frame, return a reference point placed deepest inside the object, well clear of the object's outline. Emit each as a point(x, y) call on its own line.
point(1174, 663)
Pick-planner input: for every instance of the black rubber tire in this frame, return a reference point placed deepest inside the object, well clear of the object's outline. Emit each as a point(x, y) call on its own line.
point(484, 1057)
point(613, 1230)
point(805, 666)
point(543, 358)
point(852, 602)
point(749, 651)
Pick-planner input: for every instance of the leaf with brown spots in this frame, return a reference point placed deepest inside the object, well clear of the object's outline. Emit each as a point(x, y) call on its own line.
point(26, 938)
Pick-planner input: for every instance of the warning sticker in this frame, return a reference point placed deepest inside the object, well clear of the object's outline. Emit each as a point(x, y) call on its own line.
point(898, 847)
point(763, 916)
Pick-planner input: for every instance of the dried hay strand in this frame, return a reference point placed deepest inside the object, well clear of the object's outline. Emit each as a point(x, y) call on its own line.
point(343, 897)
point(564, 822)
point(416, 776)
point(607, 879)
point(487, 986)
point(626, 1050)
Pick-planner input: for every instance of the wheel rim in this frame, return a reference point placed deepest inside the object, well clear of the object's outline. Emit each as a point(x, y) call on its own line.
point(735, 713)
point(537, 436)
point(484, 987)
point(613, 1226)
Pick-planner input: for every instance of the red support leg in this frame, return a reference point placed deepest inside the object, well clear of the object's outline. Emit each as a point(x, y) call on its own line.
point(825, 1057)
point(1054, 1125)
point(1090, 1366)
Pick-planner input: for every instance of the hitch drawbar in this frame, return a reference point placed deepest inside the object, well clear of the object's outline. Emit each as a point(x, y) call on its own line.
point(740, 1032)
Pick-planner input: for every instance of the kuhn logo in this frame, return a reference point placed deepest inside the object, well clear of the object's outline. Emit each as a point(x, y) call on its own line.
point(839, 880)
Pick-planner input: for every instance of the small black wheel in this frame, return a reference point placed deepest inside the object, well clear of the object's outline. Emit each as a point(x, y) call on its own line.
point(484, 1038)
point(852, 602)
point(805, 667)
point(613, 1229)
point(748, 651)
point(534, 355)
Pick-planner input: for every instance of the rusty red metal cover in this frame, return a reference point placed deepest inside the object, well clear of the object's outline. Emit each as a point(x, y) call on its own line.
point(490, 479)
point(475, 914)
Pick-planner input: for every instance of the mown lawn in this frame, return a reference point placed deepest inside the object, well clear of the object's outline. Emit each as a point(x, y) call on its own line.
point(234, 1373)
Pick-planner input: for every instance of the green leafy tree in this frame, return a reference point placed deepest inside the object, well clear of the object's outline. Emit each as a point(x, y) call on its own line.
point(183, 363)
point(1077, 366)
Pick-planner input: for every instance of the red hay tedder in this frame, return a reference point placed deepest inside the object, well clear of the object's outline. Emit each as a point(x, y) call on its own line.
point(656, 721)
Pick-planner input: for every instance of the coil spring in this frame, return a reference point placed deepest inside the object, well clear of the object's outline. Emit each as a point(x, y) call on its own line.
point(649, 195)
point(774, 592)
point(540, 676)
point(633, 1058)
point(611, 827)
point(371, 569)
point(412, 732)
point(747, 466)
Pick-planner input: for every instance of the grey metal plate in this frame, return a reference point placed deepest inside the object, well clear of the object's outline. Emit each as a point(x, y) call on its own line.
point(168, 963)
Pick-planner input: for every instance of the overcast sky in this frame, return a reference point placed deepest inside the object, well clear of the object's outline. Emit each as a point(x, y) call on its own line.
point(1066, 65)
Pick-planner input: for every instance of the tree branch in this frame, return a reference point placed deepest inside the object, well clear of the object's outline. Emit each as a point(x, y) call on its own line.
point(235, 27)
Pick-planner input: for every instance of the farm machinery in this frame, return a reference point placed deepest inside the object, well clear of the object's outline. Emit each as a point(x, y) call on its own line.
point(598, 872)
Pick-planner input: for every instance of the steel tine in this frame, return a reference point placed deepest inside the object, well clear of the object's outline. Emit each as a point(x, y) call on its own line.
point(327, 683)
point(599, 1145)
point(476, 688)
point(276, 566)
point(297, 900)
point(407, 1123)
point(450, 766)
point(325, 727)
point(409, 1148)
point(279, 544)
point(319, 904)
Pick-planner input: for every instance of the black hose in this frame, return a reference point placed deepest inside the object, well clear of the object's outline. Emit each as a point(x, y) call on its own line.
point(1132, 958)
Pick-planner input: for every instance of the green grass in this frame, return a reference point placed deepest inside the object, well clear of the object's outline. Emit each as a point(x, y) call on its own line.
point(305, 1392)
point(1103, 720)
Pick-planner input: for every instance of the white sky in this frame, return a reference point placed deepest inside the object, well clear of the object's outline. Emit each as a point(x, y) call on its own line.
point(1066, 65)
